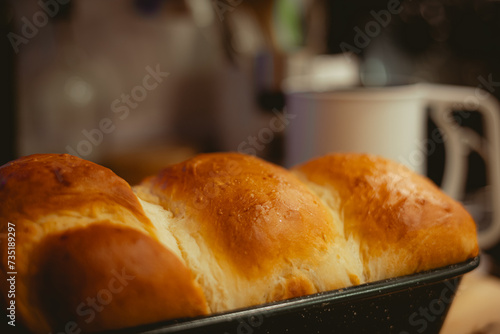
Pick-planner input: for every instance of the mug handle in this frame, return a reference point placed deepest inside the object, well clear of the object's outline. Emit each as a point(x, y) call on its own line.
point(459, 142)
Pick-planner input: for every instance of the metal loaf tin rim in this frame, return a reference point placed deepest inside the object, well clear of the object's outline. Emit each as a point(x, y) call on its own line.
point(358, 292)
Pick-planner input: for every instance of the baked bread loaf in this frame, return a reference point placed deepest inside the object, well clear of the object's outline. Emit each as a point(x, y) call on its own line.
point(214, 233)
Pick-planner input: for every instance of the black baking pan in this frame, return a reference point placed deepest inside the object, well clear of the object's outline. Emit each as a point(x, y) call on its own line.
point(415, 303)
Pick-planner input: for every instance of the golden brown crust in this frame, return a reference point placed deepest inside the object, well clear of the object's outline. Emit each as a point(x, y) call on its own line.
point(41, 184)
point(48, 197)
point(395, 214)
point(253, 213)
point(214, 233)
point(113, 277)
point(261, 234)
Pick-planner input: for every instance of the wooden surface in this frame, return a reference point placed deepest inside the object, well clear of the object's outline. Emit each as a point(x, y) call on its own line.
point(476, 309)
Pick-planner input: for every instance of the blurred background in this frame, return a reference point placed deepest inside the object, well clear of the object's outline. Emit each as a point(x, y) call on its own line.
point(138, 84)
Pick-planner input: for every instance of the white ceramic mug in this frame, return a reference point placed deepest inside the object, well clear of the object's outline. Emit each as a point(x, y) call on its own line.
point(391, 122)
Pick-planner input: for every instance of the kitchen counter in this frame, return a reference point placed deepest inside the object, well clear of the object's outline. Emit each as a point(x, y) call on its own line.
point(476, 308)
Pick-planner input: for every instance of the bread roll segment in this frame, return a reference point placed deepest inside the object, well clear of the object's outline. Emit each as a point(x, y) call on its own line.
point(402, 221)
point(217, 232)
point(250, 230)
point(75, 224)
